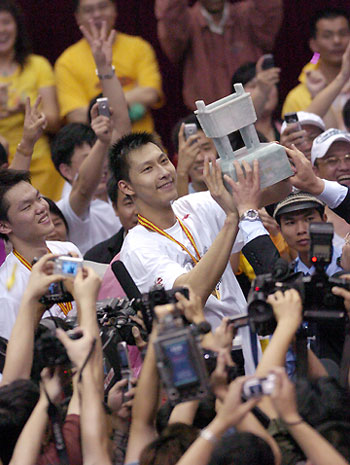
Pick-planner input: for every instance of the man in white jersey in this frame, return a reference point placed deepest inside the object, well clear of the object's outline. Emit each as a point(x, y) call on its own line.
point(186, 241)
point(25, 222)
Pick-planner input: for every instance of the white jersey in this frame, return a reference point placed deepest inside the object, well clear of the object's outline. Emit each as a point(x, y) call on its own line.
point(154, 259)
point(10, 299)
point(96, 225)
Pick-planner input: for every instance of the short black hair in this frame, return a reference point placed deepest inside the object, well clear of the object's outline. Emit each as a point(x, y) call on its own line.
point(17, 401)
point(9, 179)
point(112, 190)
point(242, 449)
point(326, 13)
point(189, 119)
point(3, 155)
point(118, 154)
point(244, 73)
point(23, 46)
point(76, 3)
point(346, 114)
point(53, 208)
point(67, 139)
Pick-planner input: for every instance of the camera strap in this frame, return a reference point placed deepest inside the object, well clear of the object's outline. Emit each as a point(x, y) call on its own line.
point(56, 424)
point(66, 307)
point(152, 227)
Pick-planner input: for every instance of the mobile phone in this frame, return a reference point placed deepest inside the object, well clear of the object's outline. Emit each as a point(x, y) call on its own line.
point(124, 361)
point(189, 130)
point(268, 61)
point(103, 106)
point(291, 118)
point(240, 321)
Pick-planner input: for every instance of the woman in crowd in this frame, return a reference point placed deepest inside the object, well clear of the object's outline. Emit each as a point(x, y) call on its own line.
point(23, 74)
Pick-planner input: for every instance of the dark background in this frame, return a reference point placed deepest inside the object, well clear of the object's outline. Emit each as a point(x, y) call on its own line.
point(52, 28)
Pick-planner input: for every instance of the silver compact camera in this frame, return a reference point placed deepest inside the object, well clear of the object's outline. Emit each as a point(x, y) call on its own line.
point(67, 266)
point(257, 387)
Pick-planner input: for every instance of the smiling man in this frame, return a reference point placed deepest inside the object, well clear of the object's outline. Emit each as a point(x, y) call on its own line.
point(25, 223)
point(188, 241)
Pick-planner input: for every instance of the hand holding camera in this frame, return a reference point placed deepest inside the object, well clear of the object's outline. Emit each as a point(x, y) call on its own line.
point(188, 148)
point(287, 308)
point(78, 345)
point(43, 275)
point(101, 125)
point(86, 285)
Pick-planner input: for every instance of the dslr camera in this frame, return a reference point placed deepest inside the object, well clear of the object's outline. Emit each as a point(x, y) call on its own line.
point(319, 303)
point(180, 360)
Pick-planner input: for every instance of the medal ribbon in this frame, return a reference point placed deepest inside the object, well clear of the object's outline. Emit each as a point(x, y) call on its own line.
point(152, 227)
point(66, 307)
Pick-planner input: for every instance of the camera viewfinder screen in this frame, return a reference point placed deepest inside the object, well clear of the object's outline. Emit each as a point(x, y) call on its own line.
point(69, 267)
point(182, 368)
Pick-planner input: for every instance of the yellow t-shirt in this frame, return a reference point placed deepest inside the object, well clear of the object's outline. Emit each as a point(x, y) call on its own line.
point(299, 98)
point(135, 64)
point(36, 74)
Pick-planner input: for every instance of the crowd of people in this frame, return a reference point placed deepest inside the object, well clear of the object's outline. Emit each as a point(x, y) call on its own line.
point(205, 377)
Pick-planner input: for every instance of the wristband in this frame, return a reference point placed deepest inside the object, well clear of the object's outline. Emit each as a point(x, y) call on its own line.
point(25, 152)
point(106, 76)
point(208, 436)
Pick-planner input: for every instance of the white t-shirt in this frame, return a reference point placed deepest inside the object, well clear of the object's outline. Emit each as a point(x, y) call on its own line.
point(154, 259)
point(98, 223)
point(10, 299)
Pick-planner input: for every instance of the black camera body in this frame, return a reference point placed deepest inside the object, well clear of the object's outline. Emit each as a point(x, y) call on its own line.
point(319, 303)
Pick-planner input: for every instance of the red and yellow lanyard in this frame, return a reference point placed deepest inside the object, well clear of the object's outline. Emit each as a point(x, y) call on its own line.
point(152, 227)
point(66, 307)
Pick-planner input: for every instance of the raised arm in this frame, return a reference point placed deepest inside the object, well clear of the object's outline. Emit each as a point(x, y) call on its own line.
point(35, 122)
point(91, 169)
point(19, 354)
point(317, 449)
point(324, 99)
point(142, 430)
point(101, 45)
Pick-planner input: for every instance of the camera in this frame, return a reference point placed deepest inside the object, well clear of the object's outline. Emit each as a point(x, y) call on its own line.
point(157, 296)
point(189, 130)
point(57, 293)
point(268, 61)
point(180, 360)
point(291, 118)
point(256, 387)
point(103, 106)
point(319, 303)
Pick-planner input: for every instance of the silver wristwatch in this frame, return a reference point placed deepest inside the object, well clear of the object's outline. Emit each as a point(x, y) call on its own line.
point(250, 215)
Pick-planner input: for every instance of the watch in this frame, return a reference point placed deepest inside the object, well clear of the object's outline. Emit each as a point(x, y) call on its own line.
point(106, 76)
point(250, 215)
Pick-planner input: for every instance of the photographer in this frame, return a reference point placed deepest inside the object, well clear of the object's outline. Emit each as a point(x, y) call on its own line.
point(24, 222)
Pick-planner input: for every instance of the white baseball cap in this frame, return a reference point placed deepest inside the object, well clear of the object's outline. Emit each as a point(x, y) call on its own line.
point(305, 117)
point(323, 142)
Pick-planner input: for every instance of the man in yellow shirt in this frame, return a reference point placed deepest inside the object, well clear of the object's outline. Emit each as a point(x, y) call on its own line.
point(133, 61)
point(330, 34)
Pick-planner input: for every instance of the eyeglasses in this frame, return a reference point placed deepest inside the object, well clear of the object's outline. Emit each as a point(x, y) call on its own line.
point(100, 7)
point(334, 162)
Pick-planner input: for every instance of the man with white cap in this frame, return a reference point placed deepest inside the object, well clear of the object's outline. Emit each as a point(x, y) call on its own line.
point(330, 157)
point(312, 126)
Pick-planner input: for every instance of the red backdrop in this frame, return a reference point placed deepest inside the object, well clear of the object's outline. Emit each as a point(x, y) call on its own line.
point(52, 28)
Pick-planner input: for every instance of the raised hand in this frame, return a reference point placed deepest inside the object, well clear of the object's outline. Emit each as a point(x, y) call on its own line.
point(100, 43)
